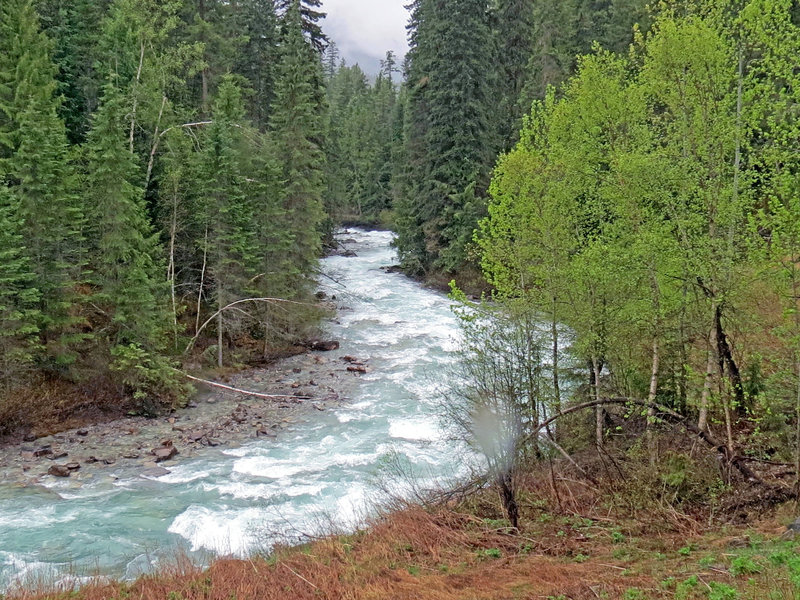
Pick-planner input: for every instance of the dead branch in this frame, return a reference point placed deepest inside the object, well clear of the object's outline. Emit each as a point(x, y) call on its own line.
point(245, 392)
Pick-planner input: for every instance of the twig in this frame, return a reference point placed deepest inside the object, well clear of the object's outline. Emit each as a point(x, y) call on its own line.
point(300, 576)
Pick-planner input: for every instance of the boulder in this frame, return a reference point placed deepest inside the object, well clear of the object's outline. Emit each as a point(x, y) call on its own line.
point(59, 471)
point(164, 453)
point(73, 466)
point(324, 345)
point(155, 472)
point(357, 369)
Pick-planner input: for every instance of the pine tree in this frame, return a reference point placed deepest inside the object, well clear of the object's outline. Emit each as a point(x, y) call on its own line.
point(297, 125)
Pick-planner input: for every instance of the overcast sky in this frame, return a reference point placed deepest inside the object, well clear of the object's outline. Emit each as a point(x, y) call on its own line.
point(365, 29)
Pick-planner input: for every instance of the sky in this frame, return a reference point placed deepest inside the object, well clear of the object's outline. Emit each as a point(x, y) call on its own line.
point(365, 29)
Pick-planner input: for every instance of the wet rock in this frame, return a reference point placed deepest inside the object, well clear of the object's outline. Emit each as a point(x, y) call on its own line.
point(57, 455)
point(155, 472)
point(357, 369)
point(191, 405)
point(29, 437)
point(73, 466)
point(59, 471)
point(324, 345)
point(82, 432)
point(321, 295)
point(91, 460)
point(131, 455)
point(349, 253)
point(211, 442)
point(108, 461)
point(196, 436)
point(263, 431)
point(43, 451)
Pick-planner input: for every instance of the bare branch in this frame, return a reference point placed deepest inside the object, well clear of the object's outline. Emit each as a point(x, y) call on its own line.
point(240, 391)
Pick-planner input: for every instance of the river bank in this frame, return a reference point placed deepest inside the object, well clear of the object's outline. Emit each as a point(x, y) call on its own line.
point(310, 382)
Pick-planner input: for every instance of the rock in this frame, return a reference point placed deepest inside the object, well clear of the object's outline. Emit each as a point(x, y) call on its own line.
point(324, 345)
point(73, 466)
point(155, 472)
point(43, 451)
point(108, 461)
point(357, 369)
point(318, 407)
point(82, 432)
point(27, 455)
point(296, 370)
point(191, 405)
point(212, 442)
point(59, 471)
point(131, 455)
point(196, 436)
point(349, 254)
point(91, 460)
point(263, 431)
point(210, 401)
point(164, 453)
point(321, 295)
point(57, 455)
point(29, 437)
point(792, 531)
point(350, 359)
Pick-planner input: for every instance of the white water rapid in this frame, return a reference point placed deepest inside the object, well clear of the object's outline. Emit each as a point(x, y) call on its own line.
point(231, 501)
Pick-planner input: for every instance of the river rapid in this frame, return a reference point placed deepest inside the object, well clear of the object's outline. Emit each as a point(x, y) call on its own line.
point(239, 500)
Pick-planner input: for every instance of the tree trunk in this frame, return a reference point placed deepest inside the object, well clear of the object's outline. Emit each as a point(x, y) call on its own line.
point(506, 484)
point(219, 328)
point(556, 384)
point(598, 411)
point(651, 398)
point(702, 419)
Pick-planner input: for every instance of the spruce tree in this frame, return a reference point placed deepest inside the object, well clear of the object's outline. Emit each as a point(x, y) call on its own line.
point(33, 146)
point(18, 298)
point(451, 105)
point(297, 126)
point(125, 269)
point(226, 210)
point(310, 16)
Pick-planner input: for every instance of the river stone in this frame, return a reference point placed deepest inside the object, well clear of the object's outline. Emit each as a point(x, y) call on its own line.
point(155, 472)
point(324, 345)
point(59, 471)
point(73, 466)
point(43, 451)
point(164, 453)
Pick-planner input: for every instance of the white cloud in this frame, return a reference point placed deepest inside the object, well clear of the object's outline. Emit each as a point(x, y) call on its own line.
point(365, 29)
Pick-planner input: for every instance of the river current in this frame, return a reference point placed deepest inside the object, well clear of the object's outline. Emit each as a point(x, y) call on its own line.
point(235, 501)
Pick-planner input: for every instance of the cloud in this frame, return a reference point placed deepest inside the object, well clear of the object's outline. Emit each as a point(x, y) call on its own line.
point(365, 29)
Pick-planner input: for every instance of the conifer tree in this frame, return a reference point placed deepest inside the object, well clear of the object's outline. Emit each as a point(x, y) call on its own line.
point(451, 98)
point(125, 268)
point(297, 126)
point(18, 298)
point(33, 144)
point(225, 210)
point(310, 16)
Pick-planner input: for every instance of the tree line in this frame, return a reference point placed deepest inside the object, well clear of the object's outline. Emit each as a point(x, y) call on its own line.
point(160, 162)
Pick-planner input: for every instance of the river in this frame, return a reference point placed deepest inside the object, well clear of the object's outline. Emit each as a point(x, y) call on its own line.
point(235, 501)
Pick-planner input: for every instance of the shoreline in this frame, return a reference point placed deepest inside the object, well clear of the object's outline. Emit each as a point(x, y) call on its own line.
point(312, 381)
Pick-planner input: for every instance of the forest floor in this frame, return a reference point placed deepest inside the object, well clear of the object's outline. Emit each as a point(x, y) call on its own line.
point(459, 553)
point(96, 445)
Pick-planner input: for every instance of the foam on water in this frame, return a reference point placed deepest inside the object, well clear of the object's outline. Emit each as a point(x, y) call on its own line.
point(235, 500)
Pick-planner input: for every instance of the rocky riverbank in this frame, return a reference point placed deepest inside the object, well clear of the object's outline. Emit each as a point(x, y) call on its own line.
point(310, 382)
